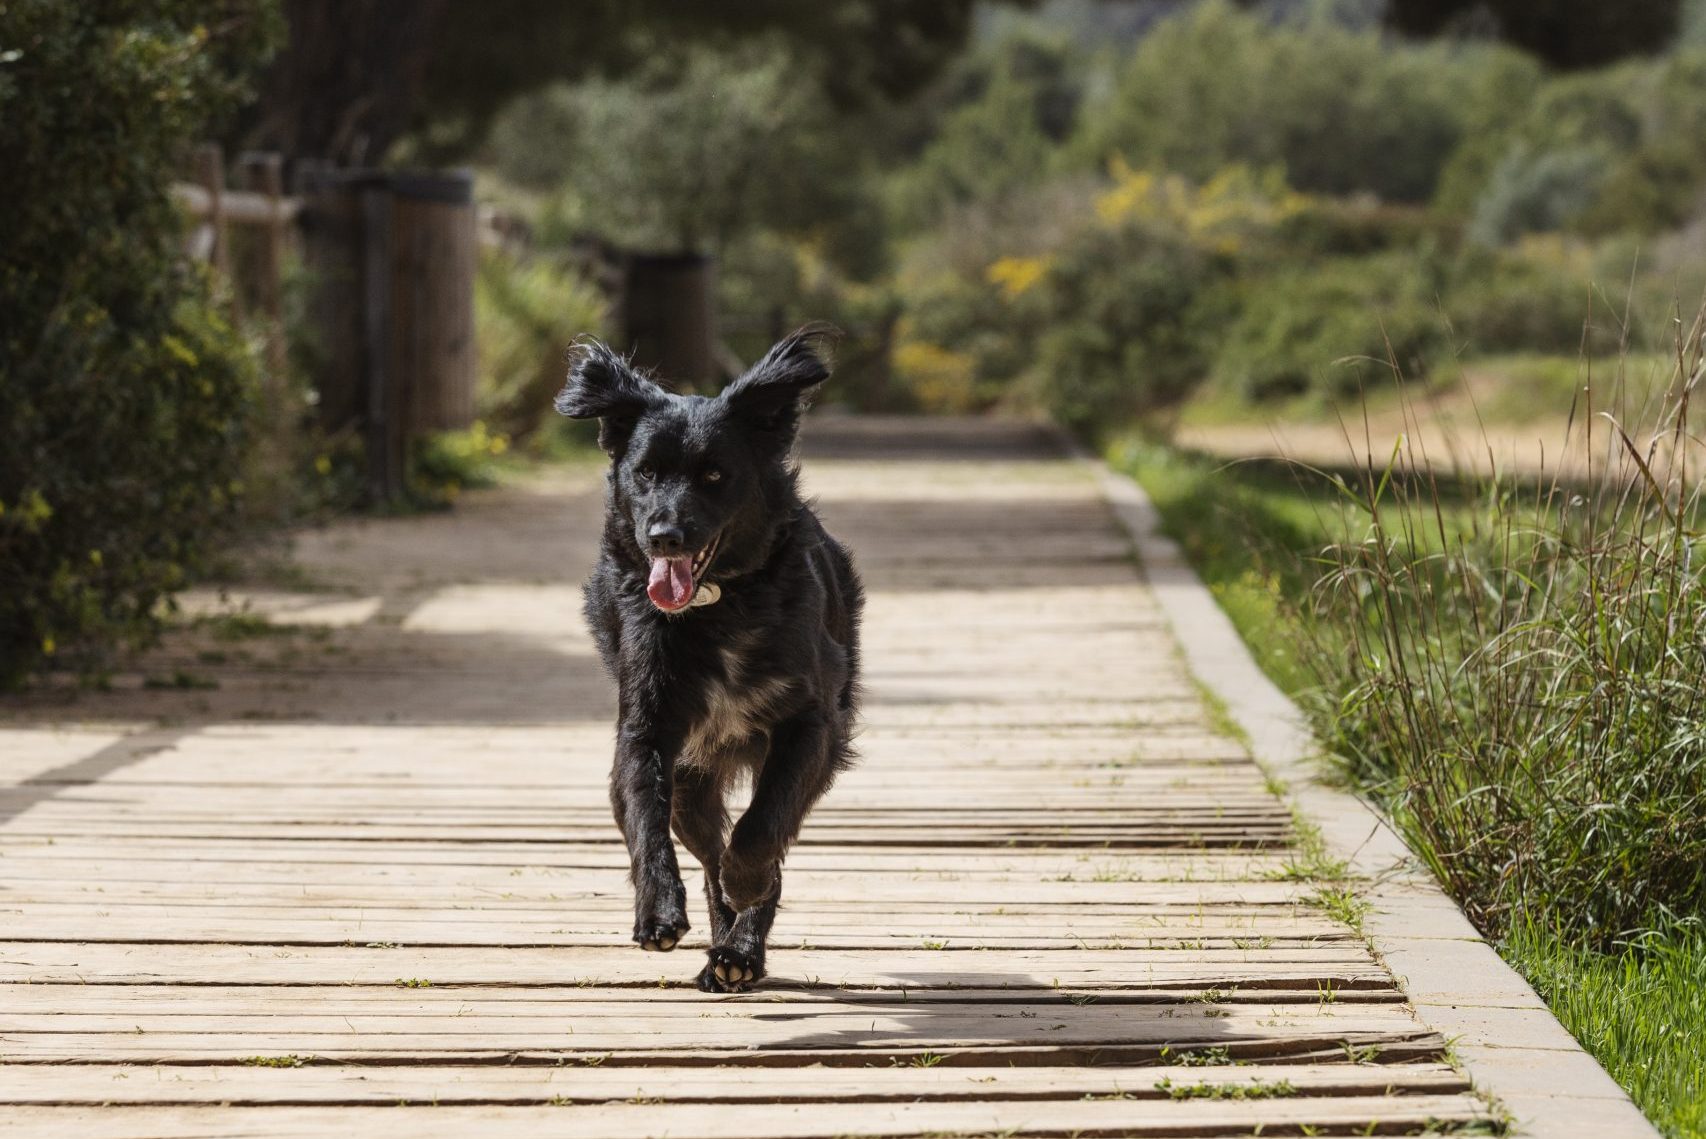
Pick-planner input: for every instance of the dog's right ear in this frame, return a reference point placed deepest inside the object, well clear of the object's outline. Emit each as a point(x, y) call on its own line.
point(604, 386)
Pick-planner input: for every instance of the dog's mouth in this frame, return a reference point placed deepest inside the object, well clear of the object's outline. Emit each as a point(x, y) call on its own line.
point(673, 581)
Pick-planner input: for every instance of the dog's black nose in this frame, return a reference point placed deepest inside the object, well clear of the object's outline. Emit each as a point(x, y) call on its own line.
point(664, 540)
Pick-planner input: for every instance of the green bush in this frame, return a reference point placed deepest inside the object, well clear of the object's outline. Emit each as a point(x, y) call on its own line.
point(526, 314)
point(1341, 110)
point(1603, 152)
point(723, 144)
point(992, 335)
point(1517, 301)
point(1130, 320)
point(1334, 328)
point(123, 393)
point(1012, 105)
point(1537, 192)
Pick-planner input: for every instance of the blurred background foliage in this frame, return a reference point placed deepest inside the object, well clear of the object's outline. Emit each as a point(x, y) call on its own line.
point(1107, 211)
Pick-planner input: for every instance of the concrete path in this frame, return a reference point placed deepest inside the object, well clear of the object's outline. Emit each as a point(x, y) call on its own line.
point(284, 880)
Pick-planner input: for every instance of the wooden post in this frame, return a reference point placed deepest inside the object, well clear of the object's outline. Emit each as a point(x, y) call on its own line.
point(383, 428)
point(435, 252)
point(332, 253)
point(668, 313)
point(210, 172)
point(264, 174)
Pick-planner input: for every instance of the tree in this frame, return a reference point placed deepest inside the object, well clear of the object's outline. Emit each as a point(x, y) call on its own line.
point(358, 74)
point(1564, 33)
point(729, 143)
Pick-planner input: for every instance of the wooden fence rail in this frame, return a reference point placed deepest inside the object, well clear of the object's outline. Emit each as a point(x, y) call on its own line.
point(389, 259)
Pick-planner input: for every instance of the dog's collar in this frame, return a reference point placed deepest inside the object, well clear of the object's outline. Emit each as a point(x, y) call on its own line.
point(707, 594)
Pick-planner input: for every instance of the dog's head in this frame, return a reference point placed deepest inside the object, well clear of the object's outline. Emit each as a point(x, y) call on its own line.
point(700, 485)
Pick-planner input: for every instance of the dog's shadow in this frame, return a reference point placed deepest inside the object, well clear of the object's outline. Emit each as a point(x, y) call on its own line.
point(978, 1016)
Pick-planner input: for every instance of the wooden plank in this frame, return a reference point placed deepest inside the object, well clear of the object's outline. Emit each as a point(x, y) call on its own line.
point(1275, 964)
point(916, 859)
point(782, 1121)
point(839, 892)
point(421, 998)
point(250, 1085)
point(980, 875)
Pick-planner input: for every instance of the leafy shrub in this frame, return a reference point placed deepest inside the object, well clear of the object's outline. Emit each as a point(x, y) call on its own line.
point(123, 392)
point(1129, 326)
point(1536, 298)
point(1337, 227)
point(1334, 328)
point(769, 282)
point(1215, 86)
point(526, 315)
point(1598, 153)
point(939, 379)
point(973, 321)
point(1009, 108)
point(1523, 690)
point(1537, 192)
point(449, 462)
point(727, 144)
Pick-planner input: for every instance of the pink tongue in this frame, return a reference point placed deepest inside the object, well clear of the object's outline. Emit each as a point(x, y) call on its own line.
point(671, 583)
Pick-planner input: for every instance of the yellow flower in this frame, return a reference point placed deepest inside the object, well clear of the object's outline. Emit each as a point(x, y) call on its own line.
point(942, 379)
point(1016, 275)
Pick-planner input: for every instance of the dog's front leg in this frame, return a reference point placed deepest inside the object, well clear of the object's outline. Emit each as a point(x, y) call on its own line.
point(641, 789)
point(797, 771)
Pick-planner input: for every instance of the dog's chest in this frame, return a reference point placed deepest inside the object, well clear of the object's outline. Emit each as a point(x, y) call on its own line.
point(738, 705)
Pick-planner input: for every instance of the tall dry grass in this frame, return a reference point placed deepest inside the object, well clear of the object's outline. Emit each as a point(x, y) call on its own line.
point(1522, 681)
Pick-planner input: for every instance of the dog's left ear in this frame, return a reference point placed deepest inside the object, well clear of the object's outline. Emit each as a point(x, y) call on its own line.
point(604, 386)
point(773, 394)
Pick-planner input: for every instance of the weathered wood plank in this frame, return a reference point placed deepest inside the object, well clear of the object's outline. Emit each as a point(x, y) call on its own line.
point(780, 1121)
point(254, 1084)
point(1264, 962)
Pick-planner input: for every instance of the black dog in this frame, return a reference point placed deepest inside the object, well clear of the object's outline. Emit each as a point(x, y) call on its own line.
point(729, 619)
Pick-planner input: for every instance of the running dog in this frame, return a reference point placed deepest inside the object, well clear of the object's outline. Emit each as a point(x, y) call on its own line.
point(729, 619)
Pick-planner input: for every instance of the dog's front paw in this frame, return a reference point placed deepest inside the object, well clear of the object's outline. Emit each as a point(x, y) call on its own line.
point(660, 921)
point(660, 935)
point(730, 971)
point(747, 882)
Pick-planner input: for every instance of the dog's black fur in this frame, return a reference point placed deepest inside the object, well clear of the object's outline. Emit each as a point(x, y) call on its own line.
point(763, 680)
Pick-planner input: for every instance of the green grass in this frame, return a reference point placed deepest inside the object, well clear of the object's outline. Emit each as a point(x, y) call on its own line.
point(1641, 1011)
point(1361, 614)
point(1255, 1089)
point(1247, 529)
point(1511, 387)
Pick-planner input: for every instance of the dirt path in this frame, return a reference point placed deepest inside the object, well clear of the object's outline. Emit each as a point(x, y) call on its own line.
point(1446, 432)
point(375, 865)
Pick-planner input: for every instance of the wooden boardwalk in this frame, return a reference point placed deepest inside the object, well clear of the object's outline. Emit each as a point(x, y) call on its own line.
point(375, 866)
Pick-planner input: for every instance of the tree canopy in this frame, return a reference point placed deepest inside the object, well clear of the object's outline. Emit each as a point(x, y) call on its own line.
point(359, 74)
point(1565, 33)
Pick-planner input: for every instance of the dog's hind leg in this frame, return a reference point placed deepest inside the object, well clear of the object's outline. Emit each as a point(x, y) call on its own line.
point(641, 790)
point(798, 770)
point(736, 961)
point(701, 822)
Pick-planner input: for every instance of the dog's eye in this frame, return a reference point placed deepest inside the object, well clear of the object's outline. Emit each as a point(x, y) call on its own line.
point(712, 475)
point(646, 473)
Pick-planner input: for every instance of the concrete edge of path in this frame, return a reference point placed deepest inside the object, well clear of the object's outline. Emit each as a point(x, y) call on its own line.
point(1510, 1044)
